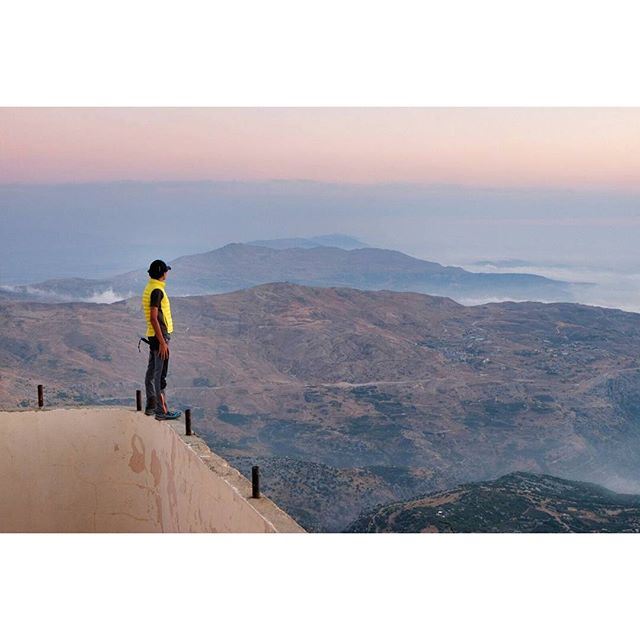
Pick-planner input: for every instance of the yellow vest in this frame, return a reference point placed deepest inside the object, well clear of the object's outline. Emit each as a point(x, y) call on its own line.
point(165, 306)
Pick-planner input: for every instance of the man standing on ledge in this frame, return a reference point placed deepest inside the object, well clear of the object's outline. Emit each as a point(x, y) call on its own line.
point(157, 311)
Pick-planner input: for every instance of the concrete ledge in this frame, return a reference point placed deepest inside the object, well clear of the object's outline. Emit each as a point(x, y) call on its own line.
point(281, 521)
point(116, 470)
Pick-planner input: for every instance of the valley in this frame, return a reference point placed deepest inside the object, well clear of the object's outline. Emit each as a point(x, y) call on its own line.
point(352, 398)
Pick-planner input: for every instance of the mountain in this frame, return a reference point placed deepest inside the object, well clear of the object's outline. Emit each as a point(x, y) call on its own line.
point(515, 503)
point(241, 266)
point(334, 240)
point(374, 396)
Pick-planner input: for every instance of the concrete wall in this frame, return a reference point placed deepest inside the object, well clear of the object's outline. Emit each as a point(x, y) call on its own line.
point(116, 470)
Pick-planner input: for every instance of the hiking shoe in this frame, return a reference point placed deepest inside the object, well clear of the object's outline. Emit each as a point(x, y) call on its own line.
point(169, 415)
point(150, 406)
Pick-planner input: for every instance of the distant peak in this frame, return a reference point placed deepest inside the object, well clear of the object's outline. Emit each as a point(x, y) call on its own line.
point(340, 240)
point(337, 240)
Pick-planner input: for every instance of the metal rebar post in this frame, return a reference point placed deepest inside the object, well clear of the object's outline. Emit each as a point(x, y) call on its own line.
point(138, 400)
point(40, 396)
point(255, 482)
point(187, 422)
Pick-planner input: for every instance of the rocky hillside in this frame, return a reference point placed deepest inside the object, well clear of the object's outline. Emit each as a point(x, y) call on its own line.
point(320, 496)
point(375, 396)
point(515, 503)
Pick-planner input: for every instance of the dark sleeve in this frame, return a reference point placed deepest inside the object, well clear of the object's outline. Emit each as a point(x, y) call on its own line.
point(156, 297)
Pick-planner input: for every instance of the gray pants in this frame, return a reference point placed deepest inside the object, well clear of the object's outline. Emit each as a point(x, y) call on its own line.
point(155, 380)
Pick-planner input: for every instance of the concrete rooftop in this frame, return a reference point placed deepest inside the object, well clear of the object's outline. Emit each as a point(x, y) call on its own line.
point(117, 470)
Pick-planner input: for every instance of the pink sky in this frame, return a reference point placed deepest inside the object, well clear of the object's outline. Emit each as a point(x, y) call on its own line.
point(489, 147)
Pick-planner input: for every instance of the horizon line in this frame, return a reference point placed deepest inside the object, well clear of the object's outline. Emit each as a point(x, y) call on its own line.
point(627, 189)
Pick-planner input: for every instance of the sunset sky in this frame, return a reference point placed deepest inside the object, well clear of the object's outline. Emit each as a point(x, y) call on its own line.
point(552, 186)
point(574, 148)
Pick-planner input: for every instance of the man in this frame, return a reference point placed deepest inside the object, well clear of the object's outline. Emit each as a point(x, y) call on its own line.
point(157, 311)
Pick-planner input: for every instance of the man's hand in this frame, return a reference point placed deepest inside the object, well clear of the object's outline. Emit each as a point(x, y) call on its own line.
point(164, 350)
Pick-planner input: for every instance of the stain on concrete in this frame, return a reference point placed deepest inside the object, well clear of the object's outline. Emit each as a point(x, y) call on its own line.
point(136, 462)
point(156, 468)
point(159, 511)
point(171, 483)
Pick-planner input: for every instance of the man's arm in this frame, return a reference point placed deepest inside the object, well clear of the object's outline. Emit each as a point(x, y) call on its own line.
point(164, 347)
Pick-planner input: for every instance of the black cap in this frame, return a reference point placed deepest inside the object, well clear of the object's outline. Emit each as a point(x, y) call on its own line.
point(158, 268)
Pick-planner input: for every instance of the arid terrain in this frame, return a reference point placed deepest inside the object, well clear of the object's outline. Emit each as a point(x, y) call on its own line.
point(349, 399)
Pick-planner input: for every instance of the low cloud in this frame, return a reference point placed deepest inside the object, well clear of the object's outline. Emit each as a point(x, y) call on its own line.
point(104, 297)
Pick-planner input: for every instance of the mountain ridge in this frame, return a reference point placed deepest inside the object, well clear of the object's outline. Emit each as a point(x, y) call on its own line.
point(240, 266)
point(338, 240)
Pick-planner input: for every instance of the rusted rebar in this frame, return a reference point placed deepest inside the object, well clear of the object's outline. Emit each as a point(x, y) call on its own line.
point(187, 422)
point(40, 396)
point(255, 482)
point(138, 400)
